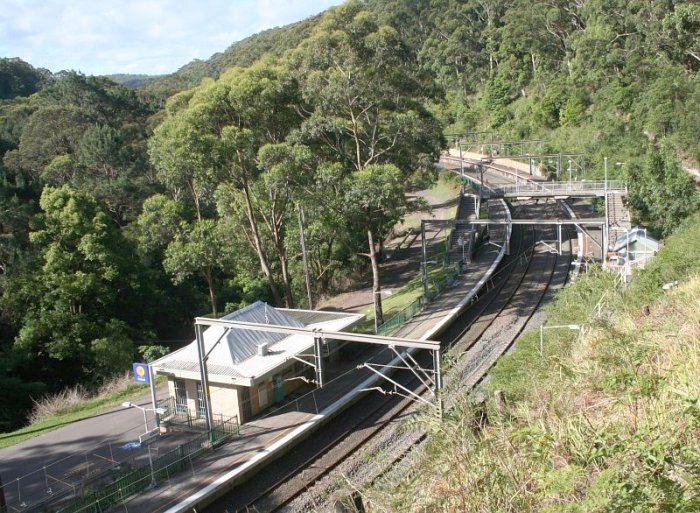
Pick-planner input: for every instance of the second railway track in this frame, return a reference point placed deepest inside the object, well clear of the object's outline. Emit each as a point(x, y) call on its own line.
point(302, 480)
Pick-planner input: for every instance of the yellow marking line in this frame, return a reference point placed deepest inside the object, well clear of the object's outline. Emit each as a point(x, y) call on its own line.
point(105, 458)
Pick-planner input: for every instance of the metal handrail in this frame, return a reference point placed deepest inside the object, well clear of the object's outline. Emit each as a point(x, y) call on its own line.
point(561, 187)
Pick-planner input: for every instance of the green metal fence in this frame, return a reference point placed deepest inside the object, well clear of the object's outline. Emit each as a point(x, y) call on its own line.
point(180, 417)
point(135, 481)
point(408, 312)
point(401, 317)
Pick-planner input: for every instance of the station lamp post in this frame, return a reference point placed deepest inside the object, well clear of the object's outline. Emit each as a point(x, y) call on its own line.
point(158, 411)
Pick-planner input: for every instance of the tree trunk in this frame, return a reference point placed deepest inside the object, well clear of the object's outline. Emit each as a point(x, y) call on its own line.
point(376, 288)
point(212, 295)
point(258, 246)
point(289, 298)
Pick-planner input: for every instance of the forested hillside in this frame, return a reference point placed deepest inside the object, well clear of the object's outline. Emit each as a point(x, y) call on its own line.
point(123, 215)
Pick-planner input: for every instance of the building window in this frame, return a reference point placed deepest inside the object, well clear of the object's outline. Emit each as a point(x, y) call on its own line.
point(201, 405)
point(180, 396)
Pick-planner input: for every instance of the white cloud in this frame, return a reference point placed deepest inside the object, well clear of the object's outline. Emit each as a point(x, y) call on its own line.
point(136, 36)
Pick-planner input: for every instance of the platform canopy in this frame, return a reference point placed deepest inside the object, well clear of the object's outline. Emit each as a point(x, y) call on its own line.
point(238, 355)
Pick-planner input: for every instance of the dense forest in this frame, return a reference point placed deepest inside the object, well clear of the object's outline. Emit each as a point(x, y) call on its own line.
point(126, 212)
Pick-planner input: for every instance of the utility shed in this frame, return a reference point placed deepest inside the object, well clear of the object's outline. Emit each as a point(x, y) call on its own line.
point(632, 250)
point(635, 245)
point(247, 370)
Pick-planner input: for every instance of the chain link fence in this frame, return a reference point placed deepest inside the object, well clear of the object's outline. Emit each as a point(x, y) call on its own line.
point(80, 478)
point(123, 484)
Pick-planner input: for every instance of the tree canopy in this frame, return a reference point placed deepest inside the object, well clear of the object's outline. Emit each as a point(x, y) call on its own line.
point(124, 213)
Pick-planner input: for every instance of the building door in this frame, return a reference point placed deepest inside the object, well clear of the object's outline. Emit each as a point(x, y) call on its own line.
point(246, 409)
point(279, 388)
point(262, 395)
point(201, 404)
point(180, 397)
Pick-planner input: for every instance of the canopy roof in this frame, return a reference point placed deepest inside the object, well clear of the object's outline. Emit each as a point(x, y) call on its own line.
point(233, 353)
point(635, 235)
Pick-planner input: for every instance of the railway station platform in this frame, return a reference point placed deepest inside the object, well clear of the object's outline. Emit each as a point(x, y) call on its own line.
point(268, 438)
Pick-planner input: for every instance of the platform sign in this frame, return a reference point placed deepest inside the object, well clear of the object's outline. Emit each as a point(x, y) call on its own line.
point(147, 438)
point(141, 374)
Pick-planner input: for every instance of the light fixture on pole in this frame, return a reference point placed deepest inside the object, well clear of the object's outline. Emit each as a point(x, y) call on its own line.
point(159, 411)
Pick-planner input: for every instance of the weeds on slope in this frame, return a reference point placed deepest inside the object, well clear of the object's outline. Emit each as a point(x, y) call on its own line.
point(605, 421)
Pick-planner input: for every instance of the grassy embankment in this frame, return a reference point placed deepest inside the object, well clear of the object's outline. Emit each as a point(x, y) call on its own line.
point(73, 405)
point(608, 420)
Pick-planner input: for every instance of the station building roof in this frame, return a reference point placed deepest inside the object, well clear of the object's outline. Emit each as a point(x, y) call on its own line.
point(234, 355)
point(635, 235)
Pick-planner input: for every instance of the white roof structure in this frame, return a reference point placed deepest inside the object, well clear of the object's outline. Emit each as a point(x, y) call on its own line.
point(234, 357)
point(635, 235)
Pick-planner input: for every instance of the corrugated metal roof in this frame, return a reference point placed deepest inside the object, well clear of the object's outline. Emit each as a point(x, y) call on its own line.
point(634, 235)
point(242, 344)
point(314, 316)
point(190, 366)
point(232, 353)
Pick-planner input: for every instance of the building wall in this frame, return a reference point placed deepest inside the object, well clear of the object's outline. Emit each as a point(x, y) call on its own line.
point(191, 387)
point(228, 400)
point(224, 400)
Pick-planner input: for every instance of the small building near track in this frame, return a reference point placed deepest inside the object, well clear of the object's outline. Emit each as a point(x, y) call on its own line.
point(248, 371)
point(632, 250)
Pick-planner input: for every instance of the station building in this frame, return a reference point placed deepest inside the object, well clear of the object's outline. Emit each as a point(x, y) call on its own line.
point(248, 370)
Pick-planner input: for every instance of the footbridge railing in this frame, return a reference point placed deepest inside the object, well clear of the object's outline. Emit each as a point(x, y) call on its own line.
point(547, 189)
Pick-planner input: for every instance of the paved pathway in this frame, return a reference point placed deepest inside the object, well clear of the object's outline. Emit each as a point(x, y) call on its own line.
point(59, 458)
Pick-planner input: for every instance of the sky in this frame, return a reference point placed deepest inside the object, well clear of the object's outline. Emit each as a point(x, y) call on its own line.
point(100, 37)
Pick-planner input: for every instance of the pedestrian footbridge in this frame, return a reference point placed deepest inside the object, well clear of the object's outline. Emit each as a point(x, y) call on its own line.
point(558, 190)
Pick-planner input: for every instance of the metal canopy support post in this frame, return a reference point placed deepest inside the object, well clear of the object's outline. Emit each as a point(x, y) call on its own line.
point(461, 165)
point(318, 351)
point(606, 227)
point(481, 185)
point(559, 167)
point(437, 357)
point(424, 273)
point(154, 402)
point(559, 239)
point(199, 335)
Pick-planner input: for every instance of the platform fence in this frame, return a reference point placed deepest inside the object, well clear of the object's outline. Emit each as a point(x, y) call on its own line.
point(57, 483)
point(435, 287)
point(126, 484)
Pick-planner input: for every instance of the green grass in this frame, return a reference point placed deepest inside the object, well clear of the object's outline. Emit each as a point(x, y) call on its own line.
point(445, 189)
point(89, 408)
point(401, 298)
point(603, 421)
point(447, 186)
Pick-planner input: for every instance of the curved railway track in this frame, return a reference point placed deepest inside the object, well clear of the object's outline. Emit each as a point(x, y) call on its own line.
point(477, 338)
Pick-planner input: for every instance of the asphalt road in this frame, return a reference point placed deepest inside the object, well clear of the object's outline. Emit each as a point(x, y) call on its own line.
point(59, 460)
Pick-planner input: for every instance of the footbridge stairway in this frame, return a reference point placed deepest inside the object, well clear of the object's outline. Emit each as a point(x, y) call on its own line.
point(460, 245)
point(618, 217)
